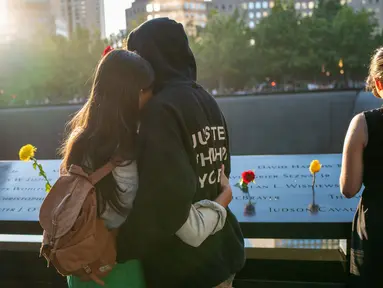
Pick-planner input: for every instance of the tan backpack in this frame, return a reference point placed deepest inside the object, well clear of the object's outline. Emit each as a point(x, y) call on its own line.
point(75, 239)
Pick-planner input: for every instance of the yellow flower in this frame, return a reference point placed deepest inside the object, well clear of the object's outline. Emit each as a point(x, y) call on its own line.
point(27, 152)
point(315, 166)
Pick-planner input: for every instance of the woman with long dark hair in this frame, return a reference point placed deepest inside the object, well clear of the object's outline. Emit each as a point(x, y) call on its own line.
point(106, 127)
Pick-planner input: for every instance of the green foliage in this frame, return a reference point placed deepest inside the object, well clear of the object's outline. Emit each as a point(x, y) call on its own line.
point(354, 39)
point(42, 173)
point(327, 9)
point(281, 44)
point(287, 46)
point(50, 68)
point(222, 49)
point(53, 69)
point(284, 47)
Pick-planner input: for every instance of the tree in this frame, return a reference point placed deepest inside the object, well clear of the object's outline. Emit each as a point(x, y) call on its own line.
point(354, 31)
point(223, 50)
point(284, 47)
point(281, 44)
point(118, 40)
point(50, 68)
point(339, 32)
point(290, 47)
point(327, 9)
point(320, 49)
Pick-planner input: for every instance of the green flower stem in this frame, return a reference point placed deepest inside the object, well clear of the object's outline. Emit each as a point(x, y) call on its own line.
point(42, 173)
point(313, 188)
point(245, 188)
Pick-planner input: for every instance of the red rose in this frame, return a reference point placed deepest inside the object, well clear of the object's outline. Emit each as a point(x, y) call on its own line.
point(248, 176)
point(107, 50)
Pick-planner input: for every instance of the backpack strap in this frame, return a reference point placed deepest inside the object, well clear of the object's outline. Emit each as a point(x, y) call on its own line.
point(100, 173)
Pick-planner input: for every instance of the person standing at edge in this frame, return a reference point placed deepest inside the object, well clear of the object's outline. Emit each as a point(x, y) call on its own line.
point(362, 165)
point(182, 143)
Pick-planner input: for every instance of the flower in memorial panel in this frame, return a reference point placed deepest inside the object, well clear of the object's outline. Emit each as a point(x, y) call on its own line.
point(314, 168)
point(247, 177)
point(27, 153)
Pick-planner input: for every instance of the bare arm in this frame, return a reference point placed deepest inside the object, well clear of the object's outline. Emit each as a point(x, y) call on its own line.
point(352, 162)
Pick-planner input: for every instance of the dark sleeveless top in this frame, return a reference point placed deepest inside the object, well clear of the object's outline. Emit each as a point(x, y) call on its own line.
point(373, 153)
point(367, 241)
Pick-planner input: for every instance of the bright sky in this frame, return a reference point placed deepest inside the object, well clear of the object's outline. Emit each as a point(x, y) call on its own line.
point(3, 14)
point(115, 15)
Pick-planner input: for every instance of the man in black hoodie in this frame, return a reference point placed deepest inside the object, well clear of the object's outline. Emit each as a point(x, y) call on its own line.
point(182, 144)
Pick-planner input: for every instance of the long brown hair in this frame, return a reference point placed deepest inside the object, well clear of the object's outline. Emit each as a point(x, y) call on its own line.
point(106, 126)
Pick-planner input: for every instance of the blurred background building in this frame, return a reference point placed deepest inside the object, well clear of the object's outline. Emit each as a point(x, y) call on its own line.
point(21, 19)
point(372, 6)
point(190, 13)
point(87, 14)
point(194, 13)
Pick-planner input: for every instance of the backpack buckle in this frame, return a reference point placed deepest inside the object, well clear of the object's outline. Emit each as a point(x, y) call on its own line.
point(87, 269)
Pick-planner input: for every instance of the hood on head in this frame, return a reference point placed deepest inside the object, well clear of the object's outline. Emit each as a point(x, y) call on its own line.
point(164, 44)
